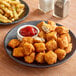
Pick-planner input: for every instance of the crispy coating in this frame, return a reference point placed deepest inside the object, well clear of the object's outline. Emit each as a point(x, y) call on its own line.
point(69, 48)
point(68, 36)
point(46, 28)
point(51, 45)
point(40, 57)
point(13, 43)
point(38, 40)
point(18, 52)
point(60, 53)
point(40, 25)
point(62, 42)
point(51, 35)
point(50, 57)
point(40, 47)
point(30, 59)
point(28, 48)
point(27, 39)
point(53, 25)
point(61, 30)
point(41, 34)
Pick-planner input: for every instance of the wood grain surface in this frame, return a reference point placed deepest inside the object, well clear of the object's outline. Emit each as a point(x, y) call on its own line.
point(9, 67)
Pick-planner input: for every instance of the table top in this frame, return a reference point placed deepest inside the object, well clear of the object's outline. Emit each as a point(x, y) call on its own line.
point(9, 67)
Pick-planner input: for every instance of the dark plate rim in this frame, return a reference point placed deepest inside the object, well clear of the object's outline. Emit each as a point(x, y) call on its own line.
point(35, 66)
point(21, 19)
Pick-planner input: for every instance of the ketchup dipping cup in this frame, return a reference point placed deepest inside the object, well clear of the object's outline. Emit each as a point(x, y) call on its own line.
point(27, 31)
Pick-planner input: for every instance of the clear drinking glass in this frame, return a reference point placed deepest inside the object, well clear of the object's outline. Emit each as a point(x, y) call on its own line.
point(46, 5)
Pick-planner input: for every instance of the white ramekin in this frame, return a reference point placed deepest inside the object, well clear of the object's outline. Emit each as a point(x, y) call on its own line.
point(19, 36)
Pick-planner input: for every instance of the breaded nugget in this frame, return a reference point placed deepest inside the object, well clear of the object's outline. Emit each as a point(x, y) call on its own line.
point(46, 28)
point(40, 57)
point(40, 47)
point(69, 48)
point(68, 36)
point(13, 43)
point(61, 30)
point(18, 52)
point(62, 42)
point(53, 25)
point(27, 39)
point(40, 25)
point(51, 45)
point(38, 40)
point(30, 59)
point(50, 57)
point(28, 48)
point(51, 35)
point(41, 34)
point(60, 53)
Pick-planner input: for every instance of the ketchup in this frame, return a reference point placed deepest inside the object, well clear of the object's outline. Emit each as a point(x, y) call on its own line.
point(28, 31)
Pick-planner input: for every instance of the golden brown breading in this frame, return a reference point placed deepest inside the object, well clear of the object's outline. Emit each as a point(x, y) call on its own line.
point(61, 30)
point(18, 52)
point(40, 47)
point(46, 28)
point(62, 42)
point(51, 35)
point(53, 25)
point(28, 48)
point(13, 43)
point(40, 57)
point(41, 34)
point(50, 57)
point(40, 25)
point(51, 45)
point(27, 39)
point(69, 48)
point(68, 36)
point(60, 53)
point(38, 40)
point(30, 59)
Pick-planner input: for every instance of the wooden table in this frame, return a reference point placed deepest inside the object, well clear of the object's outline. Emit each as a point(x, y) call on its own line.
point(9, 67)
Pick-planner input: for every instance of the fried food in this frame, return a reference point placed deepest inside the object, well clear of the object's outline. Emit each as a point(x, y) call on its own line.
point(41, 34)
point(51, 35)
point(51, 45)
point(61, 30)
point(50, 57)
point(46, 28)
point(18, 52)
point(40, 57)
point(13, 43)
point(53, 25)
point(62, 42)
point(40, 25)
point(28, 39)
point(40, 47)
point(10, 10)
point(60, 53)
point(30, 59)
point(28, 48)
point(69, 48)
point(38, 40)
point(68, 37)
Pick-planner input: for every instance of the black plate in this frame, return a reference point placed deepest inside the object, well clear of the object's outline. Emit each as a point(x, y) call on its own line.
point(12, 34)
point(22, 17)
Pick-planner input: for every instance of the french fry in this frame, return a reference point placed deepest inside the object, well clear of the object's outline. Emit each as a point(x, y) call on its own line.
point(20, 12)
point(1, 11)
point(4, 19)
point(14, 13)
point(6, 10)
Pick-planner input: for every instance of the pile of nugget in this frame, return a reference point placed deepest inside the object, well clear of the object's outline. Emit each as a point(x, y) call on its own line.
point(10, 10)
point(53, 43)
